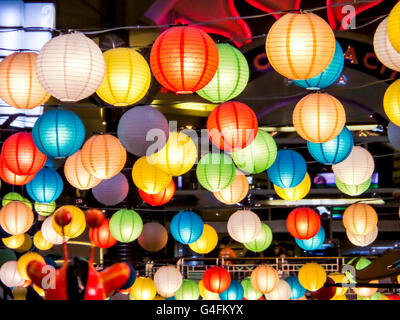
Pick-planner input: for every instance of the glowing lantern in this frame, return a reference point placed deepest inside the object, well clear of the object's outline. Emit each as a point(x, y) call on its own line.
point(40, 242)
point(189, 290)
point(126, 225)
point(393, 133)
point(77, 225)
point(16, 218)
point(186, 227)
point(184, 59)
point(249, 292)
point(312, 276)
point(258, 156)
point(143, 289)
point(20, 155)
point(127, 77)
point(337, 297)
point(11, 196)
point(215, 171)
point(160, 198)
point(264, 279)
point(207, 242)
point(101, 236)
point(70, 67)
point(384, 50)
point(148, 177)
point(45, 209)
point(216, 279)
point(339, 278)
point(366, 291)
point(167, 280)
point(9, 275)
point(235, 291)
point(10, 177)
point(14, 242)
point(391, 103)
point(112, 191)
point(26, 245)
point(356, 168)
point(353, 190)
point(313, 243)
point(281, 292)
point(362, 240)
point(262, 241)
point(297, 290)
point(360, 219)
point(296, 50)
point(103, 156)
point(46, 186)
point(244, 226)
point(206, 294)
point(326, 292)
point(154, 237)
point(288, 170)
point(303, 223)
point(232, 126)
point(393, 27)
point(236, 192)
point(296, 193)
point(49, 234)
point(24, 260)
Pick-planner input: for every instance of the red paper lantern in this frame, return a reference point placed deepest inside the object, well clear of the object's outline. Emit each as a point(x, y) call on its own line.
point(216, 279)
point(20, 154)
point(184, 59)
point(11, 178)
point(160, 198)
point(393, 297)
point(101, 236)
point(325, 293)
point(232, 126)
point(303, 223)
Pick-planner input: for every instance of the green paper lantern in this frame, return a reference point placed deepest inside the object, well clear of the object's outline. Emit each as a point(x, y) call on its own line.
point(249, 292)
point(6, 255)
point(126, 225)
point(11, 196)
point(375, 296)
point(215, 171)
point(258, 156)
point(231, 77)
point(189, 290)
point(262, 241)
point(45, 209)
point(353, 190)
point(361, 264)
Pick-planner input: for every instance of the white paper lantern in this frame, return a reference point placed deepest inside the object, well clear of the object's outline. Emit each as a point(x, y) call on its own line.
point(356, 168)
point(244, 226)
point(9, 274)
point(167, 280)
point(281, 292)
point(70, 67)
point(362, 241)
point(49, 234)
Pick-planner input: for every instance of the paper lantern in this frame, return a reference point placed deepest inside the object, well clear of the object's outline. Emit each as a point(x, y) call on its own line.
point(264, 279)
point(297, 290)
point(258, 156)
point(312, 276)
point(45, 209)
point(112, 191)
point(391, 102)
point(336, 297)
point(216, 279)
point(249, 292)
point(288, 170)
point(215, 171)
point(366, 291)
point(126, 225)
point(148, 177)
point(262, 241)
point(332, 151)
point(10, 177)
point(319, 117)
point(184, 59)
point(393, 133)
point(77, 225)
point(49, 234)
point(20, 155)
point(139, 127)
point(14, 242)
point(236, 192)
point(244, 226)
point(296, 50)
point(16, 218)
point(103, 156)
point(353, 190)
point(70, 67)
point(360, 219)
point(296, 193)
point(127, 77)
point(356, 168)
point(160, 198)
point(177, 157)
point(303, 223)
point(101, 236)
point(235, 291)
point(232, 126)
point(326, 292)
point(154, 237)
point(393, 27)
point(46, 186)
point(26, 245)
point(58, 133)
point(143, 289)
point(384, 50)
point(207, 242)
point(338, 277)
point(167, 280)
point(362, 240)
point(23, 262)
point(21, 88)
point(313, 243)
point(281, 292)
point(10, 197)
point(186, 227)
point(40, 242)
point(206, 294)
point(9, 275)
point(189, 290)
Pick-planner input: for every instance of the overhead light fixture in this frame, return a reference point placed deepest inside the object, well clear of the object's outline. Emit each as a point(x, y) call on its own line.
point(322, 202)
point(292, 129)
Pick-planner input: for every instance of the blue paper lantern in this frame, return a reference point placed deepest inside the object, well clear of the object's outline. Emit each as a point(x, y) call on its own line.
point(313, 243)
point(235, 291)
point(288, 170)
point(46, 186)
point(297, 290)
point(327, 77)
point(332, 151)
point(186, 227)
point(58, 133)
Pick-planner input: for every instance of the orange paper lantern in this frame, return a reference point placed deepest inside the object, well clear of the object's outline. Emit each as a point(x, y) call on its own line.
point(16, 217)
point(360, 219)
point(216, 279)
point(303, 223)
point(264, 279)
point(160, 198)
point(236, 192)
point(11, 178)
point(101, 236)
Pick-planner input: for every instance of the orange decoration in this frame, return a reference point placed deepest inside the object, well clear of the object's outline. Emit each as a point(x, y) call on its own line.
point(101, 236)
point(264, 279)
point(16, 218)
point(303, 223)
point(216, 279)
point(360, 219)
point(11, 178)
point(236, 192)
point(160, 198)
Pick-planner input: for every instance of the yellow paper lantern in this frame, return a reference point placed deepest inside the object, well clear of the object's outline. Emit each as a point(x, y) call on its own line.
point(206, 294)
point(312, 276)
point(366, 291)
point(77, 225)
point(143, 289)
point(339, 278)
point(14, 242)
point(27, 245)
point(296, 193)
point(300, 46)
point(127, 77)
point(236, 192)
point(360, 219)
point(40, 242)
point(393, 27)
point(264, 279)
point(342, 297)
point(207, 241)
point(24, 260)
point(391, 102)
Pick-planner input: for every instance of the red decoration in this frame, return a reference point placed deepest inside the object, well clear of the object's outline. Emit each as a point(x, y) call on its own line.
point(20, 154)
point(303, 223)
point(272, 6)
point(232, 126)
point(94, 218)
point(63, 217)
point(184, 59)
point(158, 199)
point(393, 297)
point(11, 178)
point(325, 293)
point(216, 279)
point(101, 236)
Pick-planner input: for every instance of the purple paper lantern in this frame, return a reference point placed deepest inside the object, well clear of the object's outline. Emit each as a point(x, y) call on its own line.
point(112, 191)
